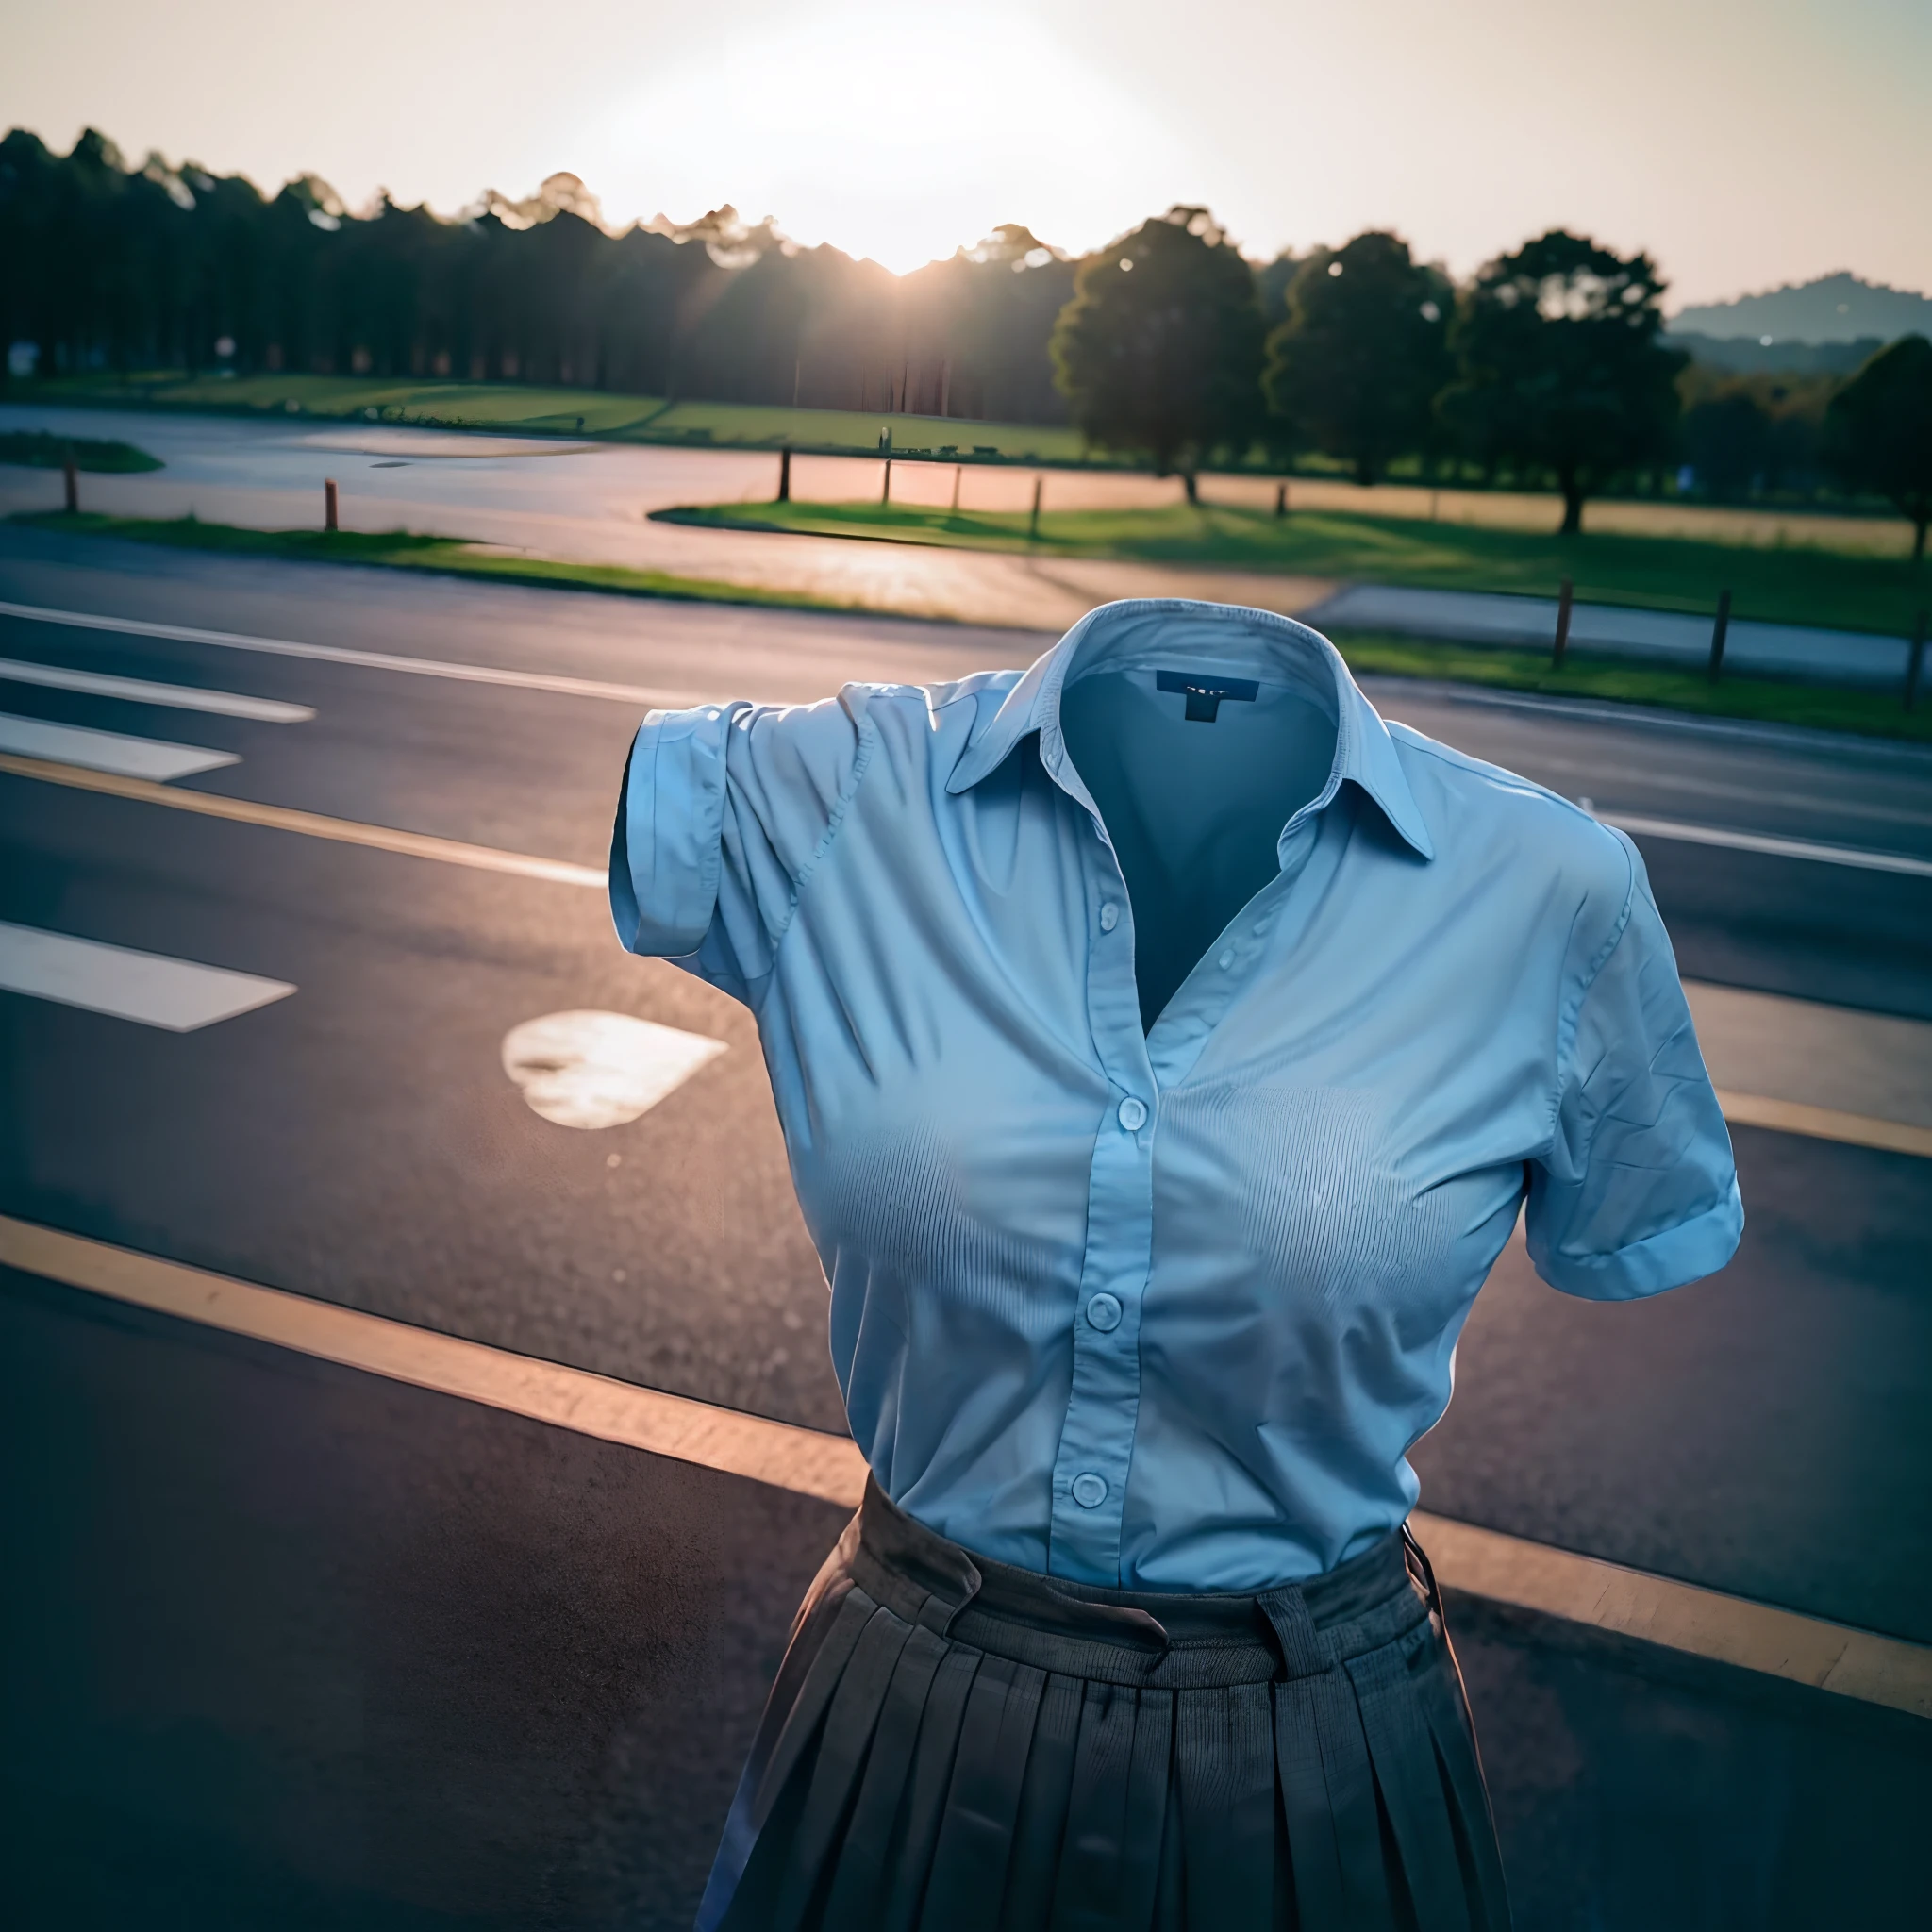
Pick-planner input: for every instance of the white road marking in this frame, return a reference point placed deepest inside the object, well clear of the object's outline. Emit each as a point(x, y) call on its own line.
point(107, 751)
point(1857, 857)
point(600, 1070)
point(141, 691)
point(645, 695)
point(178, 995)
point(312, 825)
point(1684, 1617)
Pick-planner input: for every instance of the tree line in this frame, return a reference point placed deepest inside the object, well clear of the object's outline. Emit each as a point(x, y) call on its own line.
point(1548, 368)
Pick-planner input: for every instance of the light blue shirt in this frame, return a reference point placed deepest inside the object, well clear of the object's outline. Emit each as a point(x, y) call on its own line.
point(1165, 1305)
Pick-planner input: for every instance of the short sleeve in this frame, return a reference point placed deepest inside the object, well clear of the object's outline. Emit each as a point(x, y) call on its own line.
point(722, 812)
point(1637, 1191)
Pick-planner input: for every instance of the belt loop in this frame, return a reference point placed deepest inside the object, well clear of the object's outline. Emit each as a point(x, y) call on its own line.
point(1304, 1652)
point(937, 1612)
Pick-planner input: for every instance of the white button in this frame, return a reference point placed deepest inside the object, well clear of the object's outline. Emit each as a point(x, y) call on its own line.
point(1110, 916)
point(1225, 961)
point(1089, 1491)
point(1104, 1312)
point(1133, 1115)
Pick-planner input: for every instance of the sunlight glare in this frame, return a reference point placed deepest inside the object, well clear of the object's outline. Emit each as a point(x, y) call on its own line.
point(893, 133)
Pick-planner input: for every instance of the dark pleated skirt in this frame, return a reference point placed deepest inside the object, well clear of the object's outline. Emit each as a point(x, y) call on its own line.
point(955, 1745)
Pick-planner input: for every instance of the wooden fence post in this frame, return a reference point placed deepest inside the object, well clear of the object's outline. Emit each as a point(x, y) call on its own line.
point(1281, 499)
point(784, 474)
point(1719, 631)
point(1033, 521)
point(1564, 599)
point(70, 475)
point(329, 504)
point(1915, 662)
point(886, 488)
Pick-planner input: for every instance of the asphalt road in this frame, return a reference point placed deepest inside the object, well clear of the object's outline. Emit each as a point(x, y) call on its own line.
point(1767, 1432)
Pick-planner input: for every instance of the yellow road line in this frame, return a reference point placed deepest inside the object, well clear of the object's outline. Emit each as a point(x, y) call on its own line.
point(808, 1460)
point(1824, 1122)
point(1744, 1109)
point(1679, 1616)
point(282, 817)
point(1482, 1562)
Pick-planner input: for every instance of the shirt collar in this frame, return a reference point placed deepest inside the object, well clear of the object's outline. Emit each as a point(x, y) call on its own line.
point(1364, 752)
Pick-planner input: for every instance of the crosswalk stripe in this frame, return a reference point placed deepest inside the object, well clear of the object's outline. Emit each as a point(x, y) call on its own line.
point(177, 995)
point(150, 758)
point(144, 690)
point(1487, 1563)
point(645, 696)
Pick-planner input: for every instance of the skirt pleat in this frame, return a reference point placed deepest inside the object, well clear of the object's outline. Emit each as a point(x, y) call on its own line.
point(1034, 1867)
point(857, 1897)
point(969, 1864)
point(1354, 1804)
point(1403, 1750)
point(748, 1870)
point(850, 1721)
point(926, 1793)
point(1313, 1854)
point(1224, 1761)
point(958, 1747)
point(1468, 1796)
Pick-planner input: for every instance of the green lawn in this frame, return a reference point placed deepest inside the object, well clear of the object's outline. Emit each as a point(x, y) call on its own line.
point(36, 450)
point(1786, 585)
point(531, 410)
point(406, 550)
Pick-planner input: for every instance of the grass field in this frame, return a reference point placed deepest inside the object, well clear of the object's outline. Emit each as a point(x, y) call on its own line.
point(533, 411)
point(1581, 677)
point(1794, 584)
point(406, 550)
point(36, 450)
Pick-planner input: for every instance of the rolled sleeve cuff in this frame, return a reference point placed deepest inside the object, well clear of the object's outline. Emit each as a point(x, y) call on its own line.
point(1672, 1259)
point(665, 849)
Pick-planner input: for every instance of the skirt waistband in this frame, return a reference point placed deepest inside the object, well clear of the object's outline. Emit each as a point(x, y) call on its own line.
point(1135, 1637)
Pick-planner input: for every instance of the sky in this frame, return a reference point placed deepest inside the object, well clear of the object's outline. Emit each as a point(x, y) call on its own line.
point(1745, 143)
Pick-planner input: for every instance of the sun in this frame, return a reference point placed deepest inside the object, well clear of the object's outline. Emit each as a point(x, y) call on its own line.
point(896, 133)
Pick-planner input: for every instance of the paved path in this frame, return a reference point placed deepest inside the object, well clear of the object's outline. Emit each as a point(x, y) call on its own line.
point(1776, 650)
point(592, 503)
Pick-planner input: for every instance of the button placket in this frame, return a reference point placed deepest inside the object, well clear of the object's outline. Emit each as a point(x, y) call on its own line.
point(1089, 1475)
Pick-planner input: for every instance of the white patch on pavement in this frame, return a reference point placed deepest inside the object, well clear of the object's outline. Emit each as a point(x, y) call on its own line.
point(599, 1069)
point(108, 751)
point(177, 995)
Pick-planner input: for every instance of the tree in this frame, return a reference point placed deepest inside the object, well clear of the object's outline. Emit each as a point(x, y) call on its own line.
point(1878, 432)
point(1357, 365)
point(1727, 442)
point(1560, 368)
point(1160, 351)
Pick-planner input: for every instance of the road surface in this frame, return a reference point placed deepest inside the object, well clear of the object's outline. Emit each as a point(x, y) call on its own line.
point(303, 1644)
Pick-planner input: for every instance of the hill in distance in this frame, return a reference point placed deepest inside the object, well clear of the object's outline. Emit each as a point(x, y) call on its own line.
point(1834, 308)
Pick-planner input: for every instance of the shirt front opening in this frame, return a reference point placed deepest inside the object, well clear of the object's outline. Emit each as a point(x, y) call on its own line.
point(1195, 806)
